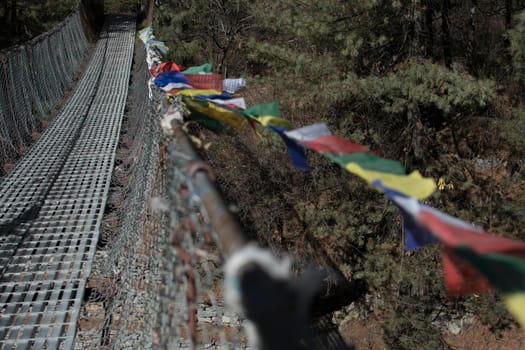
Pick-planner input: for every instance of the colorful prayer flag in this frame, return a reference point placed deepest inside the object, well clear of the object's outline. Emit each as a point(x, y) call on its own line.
point(209, 123)
point(164, 67)
point(367, 161)
point(413, 184)
point(165, 78)
point(268, 114)
point(473, 260)
point(144, 34)
point(416, 235)
point(319, 138)
point(221, 113)
point(295, 150)
point(198, 92)
point(264, 109)
point(237, 102)
point(175, 86)
point(309, 133)
point(233, 85)
point(202, 69)
point(334, 144)
point(358, 160)
point(205, 81)
point(158, 45)
point(515, 303)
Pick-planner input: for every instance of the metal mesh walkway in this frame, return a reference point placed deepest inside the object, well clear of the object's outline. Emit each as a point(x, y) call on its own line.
point(52, 202)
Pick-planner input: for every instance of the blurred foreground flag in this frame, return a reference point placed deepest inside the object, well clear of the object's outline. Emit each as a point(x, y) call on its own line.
point(473, 260)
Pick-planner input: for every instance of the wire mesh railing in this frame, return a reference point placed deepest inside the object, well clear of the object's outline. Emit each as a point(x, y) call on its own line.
point(34, 79)
point(157, 280)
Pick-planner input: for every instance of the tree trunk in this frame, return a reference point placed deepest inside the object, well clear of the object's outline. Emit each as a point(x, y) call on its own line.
point(429, 30)
point(445, 28)
point(414, 123)
point(415, 47)
point(415, 126)
point(471, 45)
point(5, 11)
point(12, 20)
point(508, 14)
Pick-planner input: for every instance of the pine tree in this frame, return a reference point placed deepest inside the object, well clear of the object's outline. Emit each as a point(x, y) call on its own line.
point(517, 47)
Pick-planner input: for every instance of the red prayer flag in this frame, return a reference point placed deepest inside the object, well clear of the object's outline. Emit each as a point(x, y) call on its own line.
point(165, 67)
point(454, 233)
point(205, 81)
point(334, 144)
point(460, 277)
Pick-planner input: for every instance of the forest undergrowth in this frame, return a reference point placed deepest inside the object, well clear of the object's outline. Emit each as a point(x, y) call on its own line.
point(435, 85)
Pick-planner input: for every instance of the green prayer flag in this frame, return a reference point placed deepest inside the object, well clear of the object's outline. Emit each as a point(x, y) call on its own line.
point(205, 68)
point(505, 272)
point(270, 109)
point(368, 161)
point(209, 123)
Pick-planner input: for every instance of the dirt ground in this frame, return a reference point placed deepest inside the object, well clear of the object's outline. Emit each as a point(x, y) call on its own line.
point(478, 336)
point(368, 335)
point(363, 334)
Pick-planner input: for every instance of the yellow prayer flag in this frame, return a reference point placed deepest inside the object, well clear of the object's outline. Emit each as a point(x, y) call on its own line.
point(273, 121)
point(413, 185)
point(515, 303)
point(198, 92)
point(216, 112)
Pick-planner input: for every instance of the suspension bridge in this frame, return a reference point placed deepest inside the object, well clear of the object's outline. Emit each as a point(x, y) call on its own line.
point(112, 236)
point(88, 211)
point(52, 201)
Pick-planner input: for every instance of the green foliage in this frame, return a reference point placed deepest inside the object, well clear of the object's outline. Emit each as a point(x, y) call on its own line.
point(425, 84)
point(517, 47)
point(412, 331)
point(23, 20)
point(419, 305)
point(122, 6)
point(356, 31)
point(512, 129)
point(498, 319)
point(204, 31)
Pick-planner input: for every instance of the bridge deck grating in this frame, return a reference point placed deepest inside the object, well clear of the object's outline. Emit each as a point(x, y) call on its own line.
point(52, 202)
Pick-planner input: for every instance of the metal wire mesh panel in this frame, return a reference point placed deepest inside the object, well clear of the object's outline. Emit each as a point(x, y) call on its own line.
point(53, 200)
point(194, 314)
point(34, 78)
